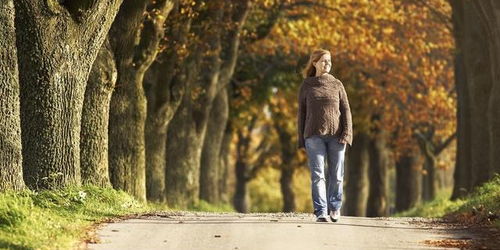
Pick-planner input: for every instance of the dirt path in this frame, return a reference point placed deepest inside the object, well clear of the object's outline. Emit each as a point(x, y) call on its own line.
point(187, 230)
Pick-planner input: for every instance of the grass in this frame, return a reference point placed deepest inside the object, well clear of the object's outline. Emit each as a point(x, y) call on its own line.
point(59, 219)
point(481, 206)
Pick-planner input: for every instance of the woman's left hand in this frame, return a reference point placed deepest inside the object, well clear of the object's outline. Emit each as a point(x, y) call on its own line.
point(343, 141)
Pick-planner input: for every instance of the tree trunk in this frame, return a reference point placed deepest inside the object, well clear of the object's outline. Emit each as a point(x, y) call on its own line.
point(224, 163)
point(476, 28)
point(479, 82)
point(164, 97)
point(95, 119)
point(408, 181)
point(287, 192)
point(288, 151)
point(165, 82)
point(240, 195)
point(58, 43)
point(183, 159)
point(126, 139)
point(135, 42)
point(377, 198)
point(429, 180)
point(210, 157)
point(156, 142)
point(489, 13)
point(463, 170)
point(357, 177)
point(11, 174)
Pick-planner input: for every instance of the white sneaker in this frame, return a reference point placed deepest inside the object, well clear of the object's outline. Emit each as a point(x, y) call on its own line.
point(335, 215)
point(322, 218)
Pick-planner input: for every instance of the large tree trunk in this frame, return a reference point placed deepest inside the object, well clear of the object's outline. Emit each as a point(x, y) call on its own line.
point(126, 138)
point(408, 181)
point(58, 43)
point(95, 118)
point(11, 174)
point(164, 98)
point(183, 159)
point(478, 87)
point(463, 170)
point(210, 157)
point(135, 43)
point(377, 198)
point(357, 177)
point(479, 82)
point(489, 12)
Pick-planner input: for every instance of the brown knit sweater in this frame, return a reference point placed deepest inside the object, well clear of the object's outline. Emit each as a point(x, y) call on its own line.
point(323, 109)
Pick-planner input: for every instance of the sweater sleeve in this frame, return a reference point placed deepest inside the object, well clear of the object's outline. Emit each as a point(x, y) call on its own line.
point(345, 115)
point(301, 117)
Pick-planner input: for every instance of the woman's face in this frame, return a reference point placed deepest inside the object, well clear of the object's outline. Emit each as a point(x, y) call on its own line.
point(323, 65)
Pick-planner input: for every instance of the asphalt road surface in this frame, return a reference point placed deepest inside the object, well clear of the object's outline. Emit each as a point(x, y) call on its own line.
point(192, 230)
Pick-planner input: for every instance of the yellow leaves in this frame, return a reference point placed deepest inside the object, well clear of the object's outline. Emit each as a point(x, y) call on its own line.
point(388, 31)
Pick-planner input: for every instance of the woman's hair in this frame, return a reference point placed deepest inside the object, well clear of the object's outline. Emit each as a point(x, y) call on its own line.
point(310, 70)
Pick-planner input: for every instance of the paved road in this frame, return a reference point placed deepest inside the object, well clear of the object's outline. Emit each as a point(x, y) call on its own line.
point(187, 230)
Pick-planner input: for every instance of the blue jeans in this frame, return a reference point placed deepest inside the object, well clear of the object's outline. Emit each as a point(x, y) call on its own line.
point(320, 148)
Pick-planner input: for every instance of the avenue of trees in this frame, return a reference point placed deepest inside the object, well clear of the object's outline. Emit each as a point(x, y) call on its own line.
point(179, 101)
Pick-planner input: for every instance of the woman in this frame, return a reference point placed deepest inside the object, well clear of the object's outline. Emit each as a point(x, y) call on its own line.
point(324, 129)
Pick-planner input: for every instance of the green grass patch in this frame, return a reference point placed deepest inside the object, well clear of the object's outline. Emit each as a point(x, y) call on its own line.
point(482, 205)
point(59, 219)
point(438, 207)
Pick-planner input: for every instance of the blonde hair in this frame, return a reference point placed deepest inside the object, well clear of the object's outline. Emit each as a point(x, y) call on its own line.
point(310, 70)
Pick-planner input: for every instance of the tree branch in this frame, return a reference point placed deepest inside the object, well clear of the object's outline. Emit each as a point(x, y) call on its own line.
point(439, 148)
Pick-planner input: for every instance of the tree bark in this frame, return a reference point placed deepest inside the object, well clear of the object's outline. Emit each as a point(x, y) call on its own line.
point(377, 197)
point(58, 43)
point(135, 43)
point(479, 83)
point(210, 157)
point(408, 181)
point(95, 119)
point(183, 159)
point(490, 19)
point(11, 174)
point(476, 28)
point(463, 170)
point(357, 177)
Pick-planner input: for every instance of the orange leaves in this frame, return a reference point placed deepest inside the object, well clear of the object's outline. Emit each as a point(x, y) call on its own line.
point(394, 57)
